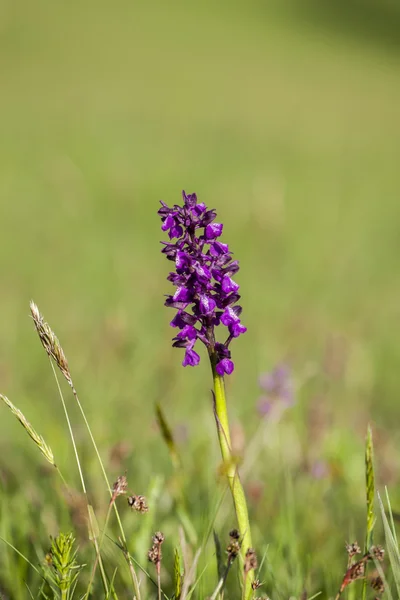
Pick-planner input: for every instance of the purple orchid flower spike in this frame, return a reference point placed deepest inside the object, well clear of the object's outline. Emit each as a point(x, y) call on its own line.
point(206, 294)
point(278, 388)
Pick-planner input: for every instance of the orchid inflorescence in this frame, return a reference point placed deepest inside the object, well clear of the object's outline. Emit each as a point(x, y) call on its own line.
point(203, 277)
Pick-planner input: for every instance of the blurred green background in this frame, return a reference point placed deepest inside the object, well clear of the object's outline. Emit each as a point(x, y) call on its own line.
point(284, 116)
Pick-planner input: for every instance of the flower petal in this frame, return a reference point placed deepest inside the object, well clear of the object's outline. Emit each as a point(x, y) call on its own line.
point(225, 366)
point(213, 230)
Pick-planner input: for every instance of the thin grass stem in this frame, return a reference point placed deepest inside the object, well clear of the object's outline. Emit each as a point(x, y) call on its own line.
point(98, 557)
point(131, 568)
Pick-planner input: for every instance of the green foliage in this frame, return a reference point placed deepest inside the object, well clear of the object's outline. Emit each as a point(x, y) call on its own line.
point(178, 574)
point(62, 569)
point(391, 543)
point(370, 489)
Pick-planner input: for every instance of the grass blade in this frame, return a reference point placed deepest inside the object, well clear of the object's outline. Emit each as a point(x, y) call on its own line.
point(391, 547)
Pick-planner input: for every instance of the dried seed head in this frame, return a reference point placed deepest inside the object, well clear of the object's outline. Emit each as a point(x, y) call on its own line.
point(233, 550)
point(139, 503)
point(234, 534)
point(377, 584)
point(50, 342)
point(158, 537)
point(234, 545)
point(377, 553)
point(250, 562)
point(256, 584)
point(357, 571)
point(154, 554)
point(353, 549)
point(120, 486)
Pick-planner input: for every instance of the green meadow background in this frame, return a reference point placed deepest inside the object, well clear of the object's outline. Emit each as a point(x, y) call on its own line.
point(284, 115)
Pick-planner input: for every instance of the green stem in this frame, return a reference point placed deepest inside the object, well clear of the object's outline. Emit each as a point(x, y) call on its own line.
point(130, 565)
point(238, 495)
point(102, 571)
point(100, 547)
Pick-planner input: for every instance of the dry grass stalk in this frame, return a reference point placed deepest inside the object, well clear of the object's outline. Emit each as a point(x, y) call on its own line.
point(39, 441)
point(50, 342)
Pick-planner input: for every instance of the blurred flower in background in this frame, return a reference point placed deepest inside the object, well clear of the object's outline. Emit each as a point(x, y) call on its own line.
point(278, 390)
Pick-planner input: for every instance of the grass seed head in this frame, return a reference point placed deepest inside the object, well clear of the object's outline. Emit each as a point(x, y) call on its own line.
point(39, 441)
point(50, 342)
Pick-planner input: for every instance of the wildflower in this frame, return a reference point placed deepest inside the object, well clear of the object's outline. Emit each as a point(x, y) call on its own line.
point(206, 295)
point(277, 386)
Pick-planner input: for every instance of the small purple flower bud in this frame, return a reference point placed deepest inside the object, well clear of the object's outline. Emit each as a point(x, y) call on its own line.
point(177, 321)
point(182, 260)
point(168, 223)
point(237, 329)
point(229, 317)
point(191, 358)
point(232, 268)
point(208, 217)
point(228, 285)
point(189, 199)
point(182, 294)
point(206, 305)
point(171, 303)
point(213, 231)
point(175, 232)
point(225, 366)
point(218, 248)
point(228, 300)
point(188, 332)
point(203, 272)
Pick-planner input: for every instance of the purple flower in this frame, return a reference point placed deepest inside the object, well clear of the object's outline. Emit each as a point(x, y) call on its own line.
point(277, 386)
point(206, 294)
point(225, 366)
point(191, 358)
point(213, 230)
